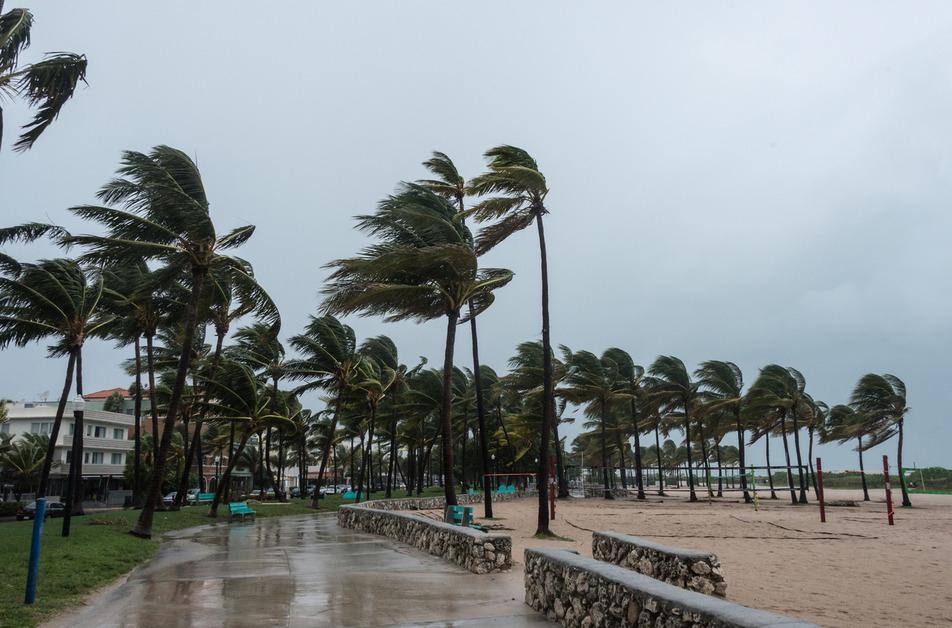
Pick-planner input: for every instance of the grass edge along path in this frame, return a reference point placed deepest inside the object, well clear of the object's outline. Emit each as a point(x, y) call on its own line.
point(100, 550)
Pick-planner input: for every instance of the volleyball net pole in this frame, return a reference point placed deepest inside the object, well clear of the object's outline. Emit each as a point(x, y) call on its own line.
point(819, 491)
point(889, 504)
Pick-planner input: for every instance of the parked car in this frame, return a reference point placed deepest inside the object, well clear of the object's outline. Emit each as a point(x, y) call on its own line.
point(295, 492)
point(53, 509)
point(168, 499)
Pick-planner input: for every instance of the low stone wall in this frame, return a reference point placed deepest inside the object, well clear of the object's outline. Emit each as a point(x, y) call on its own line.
point(593, 491)
point(582, 592)
point(474, 550)
point(437, 503)
point(688, 569)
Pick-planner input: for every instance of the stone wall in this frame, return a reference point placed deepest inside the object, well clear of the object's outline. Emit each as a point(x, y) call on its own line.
point(688, 569)
point(474, 550)
point(437, 503)
point(582, 592)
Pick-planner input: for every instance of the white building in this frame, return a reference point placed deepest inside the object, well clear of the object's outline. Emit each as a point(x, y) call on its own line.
point(106, 443)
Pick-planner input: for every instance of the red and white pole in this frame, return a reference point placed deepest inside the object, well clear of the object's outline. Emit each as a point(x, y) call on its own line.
point(889, 505)
point(819, 486)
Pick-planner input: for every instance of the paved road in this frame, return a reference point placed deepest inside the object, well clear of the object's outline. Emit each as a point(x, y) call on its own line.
point(300, 571)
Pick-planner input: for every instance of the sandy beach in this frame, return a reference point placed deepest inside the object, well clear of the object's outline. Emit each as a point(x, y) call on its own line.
point(854, 570)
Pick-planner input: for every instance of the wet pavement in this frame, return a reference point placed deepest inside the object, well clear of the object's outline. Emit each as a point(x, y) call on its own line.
point(300, 571)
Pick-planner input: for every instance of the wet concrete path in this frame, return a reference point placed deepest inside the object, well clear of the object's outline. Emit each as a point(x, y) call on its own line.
point(300, 571)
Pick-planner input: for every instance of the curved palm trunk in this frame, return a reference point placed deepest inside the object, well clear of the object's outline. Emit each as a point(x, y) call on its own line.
point(705, 458)
point(621, 460)
point(446, 412)
point(906, 502)
point(57, 421)
point(481, 421)
point(720, 475)
point(639, 479)
point(143, 527)
point(687, 431)
point(605, 460)
point(225, 481)
point(548, 390)
point(741, 458)
point(153, 405)
point(862, 471)
point(325, 455)
point(367, 457)
point(773, 492)
point(74, 487)
point(810, 471)
point(796, 445)
point(137, 429)
point(657, 440)
point(786, 453)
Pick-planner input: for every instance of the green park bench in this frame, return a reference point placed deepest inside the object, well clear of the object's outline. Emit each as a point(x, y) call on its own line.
point(459, 515)
point(349, 495)
point(204, 498)
point(240, 509)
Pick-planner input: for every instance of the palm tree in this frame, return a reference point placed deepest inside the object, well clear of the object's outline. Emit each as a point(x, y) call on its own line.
point(23, 460)
point(58, 301)
point(329, 361)
point(374, 379)
point(722, 386)
point(671, 386)
point(237, 395)
point(162, 215)
point(633, 375)
point(882, 399)
point(514, 176)
point(599, 384)
point(843, 423)
point(422, 267)
point(45, 85)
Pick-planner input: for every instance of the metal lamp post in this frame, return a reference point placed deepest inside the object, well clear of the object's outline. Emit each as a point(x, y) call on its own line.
point(74, 481)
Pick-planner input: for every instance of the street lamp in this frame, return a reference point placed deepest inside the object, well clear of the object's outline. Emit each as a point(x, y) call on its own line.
point(75, 465)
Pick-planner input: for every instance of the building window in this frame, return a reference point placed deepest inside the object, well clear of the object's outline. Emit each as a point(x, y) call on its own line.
point(116, 459)
point(118, 433)
point(69, 456)
point(86, 457)
point(100, 432)
point(89, 430)
point(72, 428)
point(4, 428)
point(97, 457)
point(40, 428)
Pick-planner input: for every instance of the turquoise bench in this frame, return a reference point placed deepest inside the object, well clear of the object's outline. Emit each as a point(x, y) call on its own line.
point(240, 509)
point(204, 498)
point(460, 515)
point(349, 495)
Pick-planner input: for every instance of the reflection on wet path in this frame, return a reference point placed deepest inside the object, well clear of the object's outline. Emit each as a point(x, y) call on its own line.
point(300, 571)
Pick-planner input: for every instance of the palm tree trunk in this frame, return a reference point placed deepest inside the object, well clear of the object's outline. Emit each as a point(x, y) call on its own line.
point(786, 452)
point(411, 469)
point(639, 479)
point(796, 445)
point(137, 429)
point(562, 481)
point(862, 471)
point(153, 405)
point(446, 412)
point(481, 419)
point(705, 457)
point(548, 390)
point(741, 458)
point(225, 482)
point(657, 440)
point(54, 433)
point(621, 460)
point(687, 433)
point(367, 458)
point(78, 435)
point(143, 527)
point(810, 471)
point(906, 502)
point(606, 487)
point(462, 461)
point(773, 493)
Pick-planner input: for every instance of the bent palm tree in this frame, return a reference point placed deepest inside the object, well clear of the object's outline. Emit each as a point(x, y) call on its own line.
point(633, 375)
point(422, 267)
point(843, 423)
point(671, 386)
point(514, 176)
point(882, 399)
point(45, 85)
point(162, 216)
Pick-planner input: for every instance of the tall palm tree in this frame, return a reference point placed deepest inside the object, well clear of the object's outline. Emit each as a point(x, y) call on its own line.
point(422, 267)
point(45, 85)
point(237, 395)
point(843, 423)
point(599, 384)
point(520, 190)
point(882, 399)
point(157, 209)
point(374, 379)
point(329, 361)
point(449, 184)
point(671, 386)
point(57, 301)
point(633, 375)
point(722, 389)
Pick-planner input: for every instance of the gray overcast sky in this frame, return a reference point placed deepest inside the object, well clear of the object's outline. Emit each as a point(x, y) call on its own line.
point(748, 181)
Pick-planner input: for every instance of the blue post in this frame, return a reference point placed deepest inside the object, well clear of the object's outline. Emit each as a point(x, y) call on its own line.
point(38, 517)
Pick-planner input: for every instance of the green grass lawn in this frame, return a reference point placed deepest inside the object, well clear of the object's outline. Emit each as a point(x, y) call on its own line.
point(99, 550)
